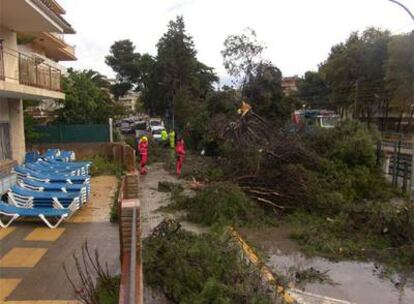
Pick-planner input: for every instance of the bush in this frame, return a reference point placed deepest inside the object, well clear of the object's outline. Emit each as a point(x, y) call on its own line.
point(107, 291)
point(103, 166)
point(113, 215)
point(200, 269)
point(377, 231)
point(222, 204)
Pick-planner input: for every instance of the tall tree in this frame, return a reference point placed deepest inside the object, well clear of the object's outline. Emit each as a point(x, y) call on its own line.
point(264, 92)
point(313, 91)
point(125, 62)
point(400, 75)
point(183, 81)
point(354, 72)
point(241, 55)
point(85, 102)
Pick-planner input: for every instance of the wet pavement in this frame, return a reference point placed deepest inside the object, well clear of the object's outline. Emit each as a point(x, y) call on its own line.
point(356, 282)
point(32, 256)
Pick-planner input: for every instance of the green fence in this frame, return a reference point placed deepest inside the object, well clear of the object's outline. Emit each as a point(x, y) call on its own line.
point(73, 133)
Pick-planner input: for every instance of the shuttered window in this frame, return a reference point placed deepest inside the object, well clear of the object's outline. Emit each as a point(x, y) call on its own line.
point(5, 148)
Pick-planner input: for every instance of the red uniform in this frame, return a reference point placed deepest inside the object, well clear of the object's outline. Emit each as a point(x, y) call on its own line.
point(180, 151)
point(143, 152)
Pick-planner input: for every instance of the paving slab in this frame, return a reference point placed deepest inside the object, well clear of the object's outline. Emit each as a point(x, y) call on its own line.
point(45, 251)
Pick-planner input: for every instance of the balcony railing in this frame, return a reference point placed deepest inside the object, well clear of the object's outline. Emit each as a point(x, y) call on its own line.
point(1, 61)
point(33, 72)
point(28, 70)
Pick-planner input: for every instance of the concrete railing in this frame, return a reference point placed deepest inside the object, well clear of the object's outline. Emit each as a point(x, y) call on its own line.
point(131, 288)
point(2, 75)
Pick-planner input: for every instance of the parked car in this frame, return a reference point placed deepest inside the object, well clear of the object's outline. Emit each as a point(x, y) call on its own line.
point(154, 124)
point(141, 128)
point(156, 133)
point(127, 126)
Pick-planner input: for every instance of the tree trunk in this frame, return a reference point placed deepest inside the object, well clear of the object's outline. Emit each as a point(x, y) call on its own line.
point(410, 121)
point(400, 121)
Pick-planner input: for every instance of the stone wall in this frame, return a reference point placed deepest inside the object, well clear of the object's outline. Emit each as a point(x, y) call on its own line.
point(119, 152)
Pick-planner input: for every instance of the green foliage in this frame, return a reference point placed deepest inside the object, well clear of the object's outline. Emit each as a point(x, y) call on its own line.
point(378, 231)
point(107, 292)
point(85, 101)
point(222, 204)
point(224, 101)
point(400, 72)
point(263, 91)
point(371, 71)
point(30, 134)
point(200, 269)
point(103, 166)
point(241, 54)
point(313, 91)
point(350, 213)
point(113, 215)
point(173, 81)
point(348, 172)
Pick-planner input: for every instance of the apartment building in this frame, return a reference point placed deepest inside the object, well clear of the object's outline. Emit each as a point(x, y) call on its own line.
point(31, 45)
point(130, 101)
point(289, 85)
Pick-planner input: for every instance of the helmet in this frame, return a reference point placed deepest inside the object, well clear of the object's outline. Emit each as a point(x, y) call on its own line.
point(144, 138)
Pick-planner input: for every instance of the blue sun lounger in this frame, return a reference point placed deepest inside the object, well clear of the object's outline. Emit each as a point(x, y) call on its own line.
point(43, 213)
point(35, 185)
point(48, 169)
point(21, 197)
point(49, 177)
point(61, 166)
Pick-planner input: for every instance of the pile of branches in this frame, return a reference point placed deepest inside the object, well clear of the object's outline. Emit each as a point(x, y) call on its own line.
point(279, 178)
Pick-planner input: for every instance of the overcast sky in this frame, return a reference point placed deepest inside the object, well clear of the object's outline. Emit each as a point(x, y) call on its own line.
point(298, 33)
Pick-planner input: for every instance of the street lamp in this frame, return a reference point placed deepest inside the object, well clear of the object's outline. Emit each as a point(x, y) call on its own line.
point(412, 35)
point(404, 7)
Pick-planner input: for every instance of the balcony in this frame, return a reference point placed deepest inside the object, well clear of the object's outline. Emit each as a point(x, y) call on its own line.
point(28, 76)
point(31, 70)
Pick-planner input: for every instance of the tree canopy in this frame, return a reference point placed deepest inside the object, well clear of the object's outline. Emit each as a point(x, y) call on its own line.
point(87, 99)
point(174, 82)
point(370, 74)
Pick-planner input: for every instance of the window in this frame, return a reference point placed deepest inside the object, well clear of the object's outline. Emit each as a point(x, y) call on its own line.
point(5, 152)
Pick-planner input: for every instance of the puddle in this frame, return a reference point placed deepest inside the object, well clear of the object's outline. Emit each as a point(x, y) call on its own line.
point(356, 282)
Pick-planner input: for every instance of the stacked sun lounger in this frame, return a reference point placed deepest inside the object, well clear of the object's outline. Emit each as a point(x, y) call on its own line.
point(49, 185)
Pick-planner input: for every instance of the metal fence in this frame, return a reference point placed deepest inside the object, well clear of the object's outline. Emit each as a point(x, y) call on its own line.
point(397, 158)
point(73, 133)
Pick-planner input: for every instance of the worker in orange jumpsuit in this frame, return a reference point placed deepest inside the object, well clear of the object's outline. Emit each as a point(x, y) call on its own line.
point(180, 151)
point(143, 152)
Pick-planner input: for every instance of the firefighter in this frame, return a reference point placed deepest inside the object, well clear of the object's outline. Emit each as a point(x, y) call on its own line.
point(143, 152)
point(180, 151)
point(164, 137)
point(172, 139)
